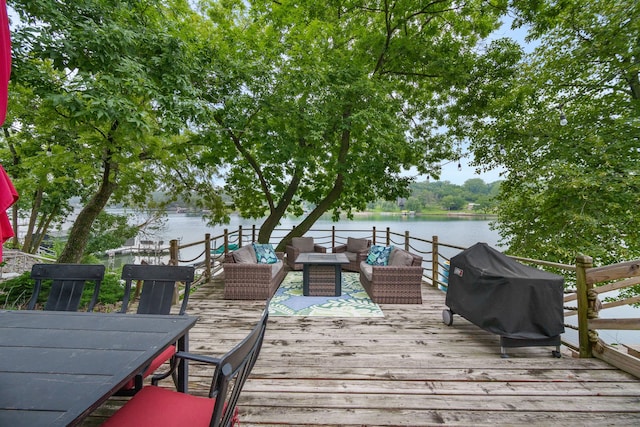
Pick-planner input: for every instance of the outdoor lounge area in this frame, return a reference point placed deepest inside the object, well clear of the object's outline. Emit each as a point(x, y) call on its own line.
point(406, 368)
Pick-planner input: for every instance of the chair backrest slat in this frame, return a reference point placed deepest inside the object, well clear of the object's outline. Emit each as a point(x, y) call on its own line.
point(158, 286)
point(68, 282)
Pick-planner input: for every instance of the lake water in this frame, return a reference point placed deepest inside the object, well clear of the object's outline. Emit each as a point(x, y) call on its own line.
point(458, 231)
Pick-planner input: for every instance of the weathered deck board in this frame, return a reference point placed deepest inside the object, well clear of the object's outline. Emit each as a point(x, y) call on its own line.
point(407, 369)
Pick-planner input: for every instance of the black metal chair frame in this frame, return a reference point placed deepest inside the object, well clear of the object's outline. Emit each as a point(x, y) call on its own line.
point(229, 376)
point(159, 284)
point(68, 284)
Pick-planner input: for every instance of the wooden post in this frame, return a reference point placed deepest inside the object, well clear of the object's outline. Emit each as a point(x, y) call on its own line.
point(373, 238)
point(225, 240)
point(173, 252)
point(173, 260)
point(434, 261)
point(333, 236)
point(387, 238)
point(583, 262)
point(406, 241)
point(239, 236)
point(207, 257)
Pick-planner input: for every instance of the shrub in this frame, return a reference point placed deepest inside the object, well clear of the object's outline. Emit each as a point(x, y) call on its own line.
point(16, 292)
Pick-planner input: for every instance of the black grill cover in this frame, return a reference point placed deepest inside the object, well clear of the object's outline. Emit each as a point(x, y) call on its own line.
point(503, 296)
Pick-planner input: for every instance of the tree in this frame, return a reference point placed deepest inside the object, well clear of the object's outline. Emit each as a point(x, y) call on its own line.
point(476, 186)
point(328, 103)
point(575, 188)
point(452, 203)
point(114, 81)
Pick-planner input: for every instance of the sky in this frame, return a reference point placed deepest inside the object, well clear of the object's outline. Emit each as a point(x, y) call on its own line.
point(451, 173)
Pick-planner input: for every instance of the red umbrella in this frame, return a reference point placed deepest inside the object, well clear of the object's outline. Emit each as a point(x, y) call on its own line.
point(8, 196)
point(5, 59)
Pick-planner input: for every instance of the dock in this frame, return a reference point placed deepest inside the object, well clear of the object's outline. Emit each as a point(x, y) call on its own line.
point(406, 369)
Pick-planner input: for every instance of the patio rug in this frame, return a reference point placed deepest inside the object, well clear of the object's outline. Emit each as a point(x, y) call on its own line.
point(354, 301)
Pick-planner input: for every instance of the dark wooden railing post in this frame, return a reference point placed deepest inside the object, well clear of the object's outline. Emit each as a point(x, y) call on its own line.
point(239, 236)
point(434, 261)
point(387, 236)
point(207, 257)
point(583, 262)
point(333, 236)
point(225, 240)
point(173, 252)
point(406, 241)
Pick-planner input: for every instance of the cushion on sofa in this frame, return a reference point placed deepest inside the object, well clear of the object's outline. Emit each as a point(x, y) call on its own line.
point(265, 253)
point(356, 245)
point(366, 269)
point(379, 255)
point(303, 244)
point(276, 267)
point(400, 258)
point(245, 255)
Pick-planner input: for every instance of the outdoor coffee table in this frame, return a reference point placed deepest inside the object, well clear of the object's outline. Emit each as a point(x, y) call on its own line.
point(321, 273)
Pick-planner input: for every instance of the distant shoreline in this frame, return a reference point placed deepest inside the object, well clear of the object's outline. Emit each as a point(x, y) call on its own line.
point(427, 214)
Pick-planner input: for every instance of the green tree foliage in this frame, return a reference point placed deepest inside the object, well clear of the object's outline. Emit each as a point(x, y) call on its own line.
point(574, 188)
point(103, 91)
point(108, 232)
point(327, 103)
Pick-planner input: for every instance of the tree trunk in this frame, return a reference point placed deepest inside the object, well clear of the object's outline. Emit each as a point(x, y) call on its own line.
point(81, 229)
point(329, 199)
point(27, 245)
point(276, 214)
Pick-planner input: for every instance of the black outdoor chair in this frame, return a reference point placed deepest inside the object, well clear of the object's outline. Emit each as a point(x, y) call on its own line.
point(158, 407)
point(68, 282)
point(159, 285)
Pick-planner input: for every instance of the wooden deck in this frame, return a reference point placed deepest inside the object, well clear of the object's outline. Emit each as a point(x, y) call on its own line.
point(406, 369)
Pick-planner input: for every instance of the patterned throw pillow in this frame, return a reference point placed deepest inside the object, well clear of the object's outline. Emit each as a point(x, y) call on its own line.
point(379, 255)
point(265, 253)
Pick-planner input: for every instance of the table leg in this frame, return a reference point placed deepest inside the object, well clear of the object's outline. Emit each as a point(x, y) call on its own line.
point(183, 365)
point(305, 279)
point(338, 280)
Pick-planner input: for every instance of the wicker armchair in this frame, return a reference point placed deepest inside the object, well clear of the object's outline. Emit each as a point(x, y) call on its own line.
point(246, 279)
point(356, 251)
point(301, 245)
point(400, 282)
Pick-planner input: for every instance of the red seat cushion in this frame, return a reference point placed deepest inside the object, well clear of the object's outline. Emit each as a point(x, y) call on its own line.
point(157, 362)
point(157, 407)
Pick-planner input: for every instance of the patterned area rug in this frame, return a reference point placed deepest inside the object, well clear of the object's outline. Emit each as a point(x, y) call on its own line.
point(354, 301)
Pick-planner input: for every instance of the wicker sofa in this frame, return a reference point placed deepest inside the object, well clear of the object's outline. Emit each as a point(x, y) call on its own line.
point(356, 251)
point(399, 282)
point(301, 245)
point(246, 279)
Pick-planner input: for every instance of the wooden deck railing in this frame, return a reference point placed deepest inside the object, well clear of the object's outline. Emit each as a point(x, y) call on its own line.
point(580, 279)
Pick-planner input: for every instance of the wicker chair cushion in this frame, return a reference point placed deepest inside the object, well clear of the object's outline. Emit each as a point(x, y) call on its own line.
point(276, 267)
point(400, 258)
point(303, 244)
point(356, 245)
point(245, 255)
point(366, 270)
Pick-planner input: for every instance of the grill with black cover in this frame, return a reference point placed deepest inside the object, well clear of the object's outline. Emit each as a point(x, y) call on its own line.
point(521, 304)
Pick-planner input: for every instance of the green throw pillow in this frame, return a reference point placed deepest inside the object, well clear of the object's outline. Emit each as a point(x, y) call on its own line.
point(379, 255)
point(265, 253)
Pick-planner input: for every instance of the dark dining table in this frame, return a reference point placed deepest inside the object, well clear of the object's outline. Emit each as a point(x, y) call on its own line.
point(57, 367)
